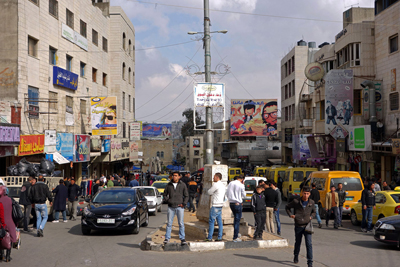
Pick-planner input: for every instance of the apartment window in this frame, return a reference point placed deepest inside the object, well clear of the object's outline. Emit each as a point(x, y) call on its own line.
point(355, 51)
point(293, 64)
point(70, 19)
point(129, 74)
point(69, 102)
point(95, 37)
point(133, 106)
point(53, 97)
point(83, 107)
point(290, 66)
point(129, 102)
point(293, 89)
point(133, 77)
point(123, 100)
point(33, 94)
point(130, 47)
point(320, 110)
point(393, 43)
point(83, 67)
point(124, 130)
point(53, 8)
point(83, 28)
point(290, 89)
point(394, 101)
point(105, 45)
point(52, 56)
point(35, 1)
point(104, 79)
point(286, 92)
point(162, 154)
point(290, 113)
point(357, 102)
point(123, 71)
point(158, 153)
point(286, 70)
point(123, 41)
point(32, 46)
point(69, 63)
point(286, 114)
point(94, 75)
point(293, 112)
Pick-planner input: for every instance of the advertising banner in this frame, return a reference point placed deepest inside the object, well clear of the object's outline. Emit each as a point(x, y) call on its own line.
point(119, 149)
point(156, 131)
point(133, 151)
point(81, 41)
point(50, 137)
point(209, 95)
point(301, 150)
point(360, 138)
point(256, 117)
point(338, 100)
point(104, 115)
point(105, 143)
point(69, 116)
point(136, 130)
point(65, 145)
point(65, 78)
point(9, 134)
point(31, 144)
point(95, 144)
point(396, 146)
point(81, 148)
point(378, 101)
point(74, 37)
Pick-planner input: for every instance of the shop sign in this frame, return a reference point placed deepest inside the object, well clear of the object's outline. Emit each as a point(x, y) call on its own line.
point(65, 78)
point(31, 144)
point(65, 145)
point(119, 149)
point(9, 134)
point(105, 143)
point(136, 131)
point(360, 138)
point(133, 151)
point(81, 148)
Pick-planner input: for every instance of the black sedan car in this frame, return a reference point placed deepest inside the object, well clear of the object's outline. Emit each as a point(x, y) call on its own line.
point(116, 208)
point(387, 230)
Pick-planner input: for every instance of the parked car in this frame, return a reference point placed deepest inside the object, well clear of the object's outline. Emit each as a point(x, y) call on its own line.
point(116, 208)
point(154, 198)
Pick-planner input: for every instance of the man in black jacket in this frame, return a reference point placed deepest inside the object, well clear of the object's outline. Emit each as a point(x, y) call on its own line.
point(176, 195)
point(74, 191)
point(192, 188)
point(25, 201)
point(368, 203)
point(304, 211)
point(38, 194)
point(258, 207)
point(316, 197)
point(342, 199)
point(271, 201)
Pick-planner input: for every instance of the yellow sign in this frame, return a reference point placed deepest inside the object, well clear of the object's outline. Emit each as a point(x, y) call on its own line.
point(104, 115)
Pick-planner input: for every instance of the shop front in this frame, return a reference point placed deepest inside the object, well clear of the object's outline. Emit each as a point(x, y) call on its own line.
point(9, 141)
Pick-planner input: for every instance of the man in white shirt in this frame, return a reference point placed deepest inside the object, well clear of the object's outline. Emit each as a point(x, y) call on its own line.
point(217, 191)
point(235, 194)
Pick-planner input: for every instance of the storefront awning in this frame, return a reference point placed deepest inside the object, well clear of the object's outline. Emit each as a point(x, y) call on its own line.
point(57, 157)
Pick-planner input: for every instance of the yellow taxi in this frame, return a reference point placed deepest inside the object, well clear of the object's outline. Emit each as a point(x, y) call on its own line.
point(387, 204)
point(160, 185)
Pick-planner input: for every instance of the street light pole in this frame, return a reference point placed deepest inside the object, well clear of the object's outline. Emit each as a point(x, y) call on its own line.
point(207, 58)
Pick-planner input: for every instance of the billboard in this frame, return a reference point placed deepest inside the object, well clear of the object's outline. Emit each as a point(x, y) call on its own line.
point(65, 145)
point(209, 95)
point(360, 138)
point(256, 117)
point(119, 149)
point(136, 130)
point(106, 143)
point(301, 150)
point(104, 115)
point(81, 148)
point(338, 101)
point(156, 131)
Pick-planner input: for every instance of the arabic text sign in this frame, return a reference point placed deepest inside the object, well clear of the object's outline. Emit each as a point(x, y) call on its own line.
point(74, 37)
point(156, 130)
point(65, 145)
point(31, 144)
point(209, 95)
point(9, 134)
point(104, 115)
point(135, 133)
point(81, 148)
point(119, 149)
point(65, 78)
point(133, 151)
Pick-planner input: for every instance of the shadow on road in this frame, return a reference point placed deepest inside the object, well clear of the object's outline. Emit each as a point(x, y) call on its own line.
point(129, 245)
point(373, 244)
point(262, 258)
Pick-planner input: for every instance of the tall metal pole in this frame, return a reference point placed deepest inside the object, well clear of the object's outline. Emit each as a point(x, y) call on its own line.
point(207, 57)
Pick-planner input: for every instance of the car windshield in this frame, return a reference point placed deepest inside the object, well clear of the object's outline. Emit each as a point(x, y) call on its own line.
point(349, 183)
point(160, 185)
point(396, 197)
point(148, 192)
point(250, 185)
point(115, 196)
point(281, 173)
point(14, 192)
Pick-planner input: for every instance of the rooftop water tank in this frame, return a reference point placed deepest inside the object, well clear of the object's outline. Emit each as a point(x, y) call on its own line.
point(312, 45)
point(301, 43)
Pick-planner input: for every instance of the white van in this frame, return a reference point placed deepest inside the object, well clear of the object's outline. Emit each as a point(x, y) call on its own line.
point(250, 184)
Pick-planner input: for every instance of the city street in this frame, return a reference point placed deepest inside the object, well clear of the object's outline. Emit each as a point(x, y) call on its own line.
point(64, 245)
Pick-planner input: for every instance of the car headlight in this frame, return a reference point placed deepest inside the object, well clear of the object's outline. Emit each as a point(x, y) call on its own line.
point(87, 212)
point(387, 227)
point(129, 212)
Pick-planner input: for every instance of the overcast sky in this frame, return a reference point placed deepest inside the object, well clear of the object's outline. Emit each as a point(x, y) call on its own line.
point(252, 48)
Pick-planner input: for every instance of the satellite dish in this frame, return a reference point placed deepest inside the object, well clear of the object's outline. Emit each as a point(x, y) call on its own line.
point(314, 71)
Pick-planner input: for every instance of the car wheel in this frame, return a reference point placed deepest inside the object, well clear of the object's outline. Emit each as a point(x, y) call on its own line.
point(147, 219)
point(137, 228)
point(85, 230)
point(353, 218)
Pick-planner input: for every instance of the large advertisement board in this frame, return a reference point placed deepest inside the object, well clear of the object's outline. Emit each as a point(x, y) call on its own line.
point(104, 115)
point(209, 95)
point(257, 117)
point(301, 150)
point(65, 145)
point(156, 131)
point(81, 148)
point(338, 101)
point(119, 149)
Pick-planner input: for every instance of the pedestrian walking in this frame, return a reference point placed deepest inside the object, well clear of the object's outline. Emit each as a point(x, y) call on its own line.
point(342, 198)
point(60, 201)
point(133, 182)
point(38, 194)
point(271, 201)
point(368, 203)
point(276, 211)
point(304, 211)
point(235, 194)
point(217, 193)
point(259, 209)
point(7, 222)
point(385, 186)
point(192, 188)
point(176, 195)
point(24, 200)
point(74, 191)
point(315, 196)
point(331, 205)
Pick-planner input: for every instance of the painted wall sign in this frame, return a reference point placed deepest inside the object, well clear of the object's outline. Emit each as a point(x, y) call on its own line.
point(31, 144)
point(65, 78)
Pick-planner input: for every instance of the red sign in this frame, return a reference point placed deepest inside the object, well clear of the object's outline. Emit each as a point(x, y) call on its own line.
point(31, 144)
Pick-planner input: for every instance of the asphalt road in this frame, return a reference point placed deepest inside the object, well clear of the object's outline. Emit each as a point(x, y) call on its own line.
point(64, 245)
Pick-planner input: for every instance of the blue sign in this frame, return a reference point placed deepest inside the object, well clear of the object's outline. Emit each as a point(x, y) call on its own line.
point(65, 78)
point(156, 130)
point(106, 143)
point(65, 145)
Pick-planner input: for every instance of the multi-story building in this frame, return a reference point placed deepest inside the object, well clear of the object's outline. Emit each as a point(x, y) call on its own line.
point(90, 44)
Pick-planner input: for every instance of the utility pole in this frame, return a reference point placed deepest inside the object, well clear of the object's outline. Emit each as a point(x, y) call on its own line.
point(207, 58)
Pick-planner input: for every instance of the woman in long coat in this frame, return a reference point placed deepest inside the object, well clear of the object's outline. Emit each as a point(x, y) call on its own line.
point(60, 201)
point(10, 226)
